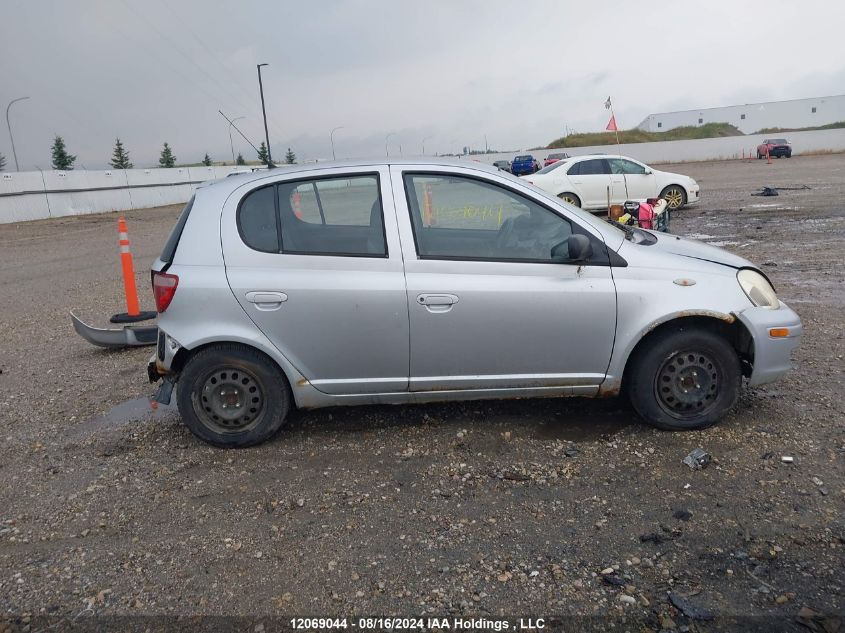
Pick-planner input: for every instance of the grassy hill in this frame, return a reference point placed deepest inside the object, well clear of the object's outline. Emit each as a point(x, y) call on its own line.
point(708, 130)
point(829, 126)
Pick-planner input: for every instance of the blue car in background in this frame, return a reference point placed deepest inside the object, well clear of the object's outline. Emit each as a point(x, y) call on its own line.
point(525, 164)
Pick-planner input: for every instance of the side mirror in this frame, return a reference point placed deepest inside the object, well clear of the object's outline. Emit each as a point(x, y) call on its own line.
point(576, 249)
point(648, 172)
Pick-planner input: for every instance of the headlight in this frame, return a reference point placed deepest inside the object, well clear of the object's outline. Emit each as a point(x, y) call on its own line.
point(758, 289)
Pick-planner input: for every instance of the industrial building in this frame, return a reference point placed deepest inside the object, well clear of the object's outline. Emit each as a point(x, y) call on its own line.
point(751, 117)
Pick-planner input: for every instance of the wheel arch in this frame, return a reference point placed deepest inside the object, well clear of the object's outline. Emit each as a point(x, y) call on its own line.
point(291, 375)
point(727, 326)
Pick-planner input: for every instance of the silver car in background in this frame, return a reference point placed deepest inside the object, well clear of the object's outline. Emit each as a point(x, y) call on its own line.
point(408, 281)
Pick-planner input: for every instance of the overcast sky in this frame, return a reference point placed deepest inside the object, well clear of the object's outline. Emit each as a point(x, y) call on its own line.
point(520, 73)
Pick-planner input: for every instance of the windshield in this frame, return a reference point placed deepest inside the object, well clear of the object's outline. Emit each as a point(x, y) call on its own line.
point(552, 167)
point(778, 141)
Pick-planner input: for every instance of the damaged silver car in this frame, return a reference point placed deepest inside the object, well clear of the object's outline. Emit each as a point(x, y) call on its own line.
point(365, 282)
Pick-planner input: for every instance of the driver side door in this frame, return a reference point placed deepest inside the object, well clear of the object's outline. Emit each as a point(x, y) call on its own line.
point(489, 306)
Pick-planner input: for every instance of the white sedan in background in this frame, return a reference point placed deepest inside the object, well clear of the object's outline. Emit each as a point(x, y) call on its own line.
point(585, 181)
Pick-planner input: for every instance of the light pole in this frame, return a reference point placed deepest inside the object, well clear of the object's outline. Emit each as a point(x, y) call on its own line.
point(486, 146)
point(9, 125)
point(425, 138)
point(386, 140)
point(264, 113)
point(231, 144)
point(331, 136)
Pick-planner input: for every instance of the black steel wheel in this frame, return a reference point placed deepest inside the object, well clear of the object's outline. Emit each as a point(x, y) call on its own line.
point(232, 396)
point(683, 379)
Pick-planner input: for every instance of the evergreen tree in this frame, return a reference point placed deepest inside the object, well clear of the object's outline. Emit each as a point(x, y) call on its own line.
point(62, 161)
point(207, 160)
point(167, 159)
point(262, 153)
point(240, 160)
point(120, 157)
point(290, 157)
point(2, 162)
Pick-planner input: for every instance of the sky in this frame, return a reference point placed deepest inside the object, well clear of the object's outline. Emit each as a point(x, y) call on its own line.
point(447, 73)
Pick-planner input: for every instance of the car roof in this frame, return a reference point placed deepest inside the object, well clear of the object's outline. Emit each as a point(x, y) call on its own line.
point(234, 181)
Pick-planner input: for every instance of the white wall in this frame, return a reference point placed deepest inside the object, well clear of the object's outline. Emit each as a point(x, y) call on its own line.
point(23, 197)
point(726, 148)
point(35, 195)
point(796, 113)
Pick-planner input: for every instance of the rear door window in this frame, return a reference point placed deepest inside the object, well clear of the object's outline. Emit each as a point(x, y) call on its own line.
point(325, 216)
point(593, 167)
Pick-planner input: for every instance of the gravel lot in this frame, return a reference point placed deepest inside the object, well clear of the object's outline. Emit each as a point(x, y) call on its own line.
point(521, 508)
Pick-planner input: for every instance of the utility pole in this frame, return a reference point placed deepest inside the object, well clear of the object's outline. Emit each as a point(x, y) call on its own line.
point(231, 144)
point(264, 113)
point(386, 140)
point(331, 137)
point(9, 125)
point(423, 144)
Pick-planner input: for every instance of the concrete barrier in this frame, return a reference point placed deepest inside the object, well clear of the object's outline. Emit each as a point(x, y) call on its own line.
point(36, 195)
point(725, 148)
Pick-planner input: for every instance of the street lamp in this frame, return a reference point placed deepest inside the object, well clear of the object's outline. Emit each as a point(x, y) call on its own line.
point(232, 145)
point(331, 136)
point(423, 143)
point(386, 139)
point(264, 113)
point(8, 125)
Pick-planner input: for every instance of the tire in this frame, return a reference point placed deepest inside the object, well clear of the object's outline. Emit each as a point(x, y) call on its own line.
point(759, 156)
point(675, 197)
point(684, 379)
point(571, 198)
point(252, 402)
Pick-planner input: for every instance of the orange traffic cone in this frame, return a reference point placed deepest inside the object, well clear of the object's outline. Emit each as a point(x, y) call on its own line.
point(133, 312)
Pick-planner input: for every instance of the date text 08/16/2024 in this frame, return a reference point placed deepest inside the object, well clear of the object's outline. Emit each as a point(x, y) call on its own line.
point(410, 624)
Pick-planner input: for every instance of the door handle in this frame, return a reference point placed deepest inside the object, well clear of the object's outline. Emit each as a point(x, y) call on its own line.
point(437, 302)
point(265, 300)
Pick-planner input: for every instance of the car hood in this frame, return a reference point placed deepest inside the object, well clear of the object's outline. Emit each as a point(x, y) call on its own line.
point(676, 245)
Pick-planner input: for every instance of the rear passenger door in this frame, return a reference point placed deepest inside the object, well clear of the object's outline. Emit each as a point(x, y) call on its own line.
point(316, 264)
point(591, 178)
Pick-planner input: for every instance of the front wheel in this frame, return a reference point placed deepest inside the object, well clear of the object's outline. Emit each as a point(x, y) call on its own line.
point(684, 379)
point(232, 396)
point(675, 197)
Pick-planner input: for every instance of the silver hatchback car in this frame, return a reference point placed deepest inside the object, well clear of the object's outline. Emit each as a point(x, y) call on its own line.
point(410, 281)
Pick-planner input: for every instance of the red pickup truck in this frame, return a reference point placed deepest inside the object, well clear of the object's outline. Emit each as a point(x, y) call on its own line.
point(775, 147)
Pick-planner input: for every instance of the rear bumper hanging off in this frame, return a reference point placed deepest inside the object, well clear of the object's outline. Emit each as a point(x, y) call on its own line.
point(128, 336)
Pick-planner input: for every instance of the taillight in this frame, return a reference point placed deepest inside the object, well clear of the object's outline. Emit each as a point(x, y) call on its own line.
point(164, 288)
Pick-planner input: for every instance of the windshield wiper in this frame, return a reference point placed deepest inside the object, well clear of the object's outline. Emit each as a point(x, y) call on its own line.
point(629, 230)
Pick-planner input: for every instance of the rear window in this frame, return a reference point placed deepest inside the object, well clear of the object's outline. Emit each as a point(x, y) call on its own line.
point(552, 167)
point(778, 141)
point(173, 240)
point(523, 158)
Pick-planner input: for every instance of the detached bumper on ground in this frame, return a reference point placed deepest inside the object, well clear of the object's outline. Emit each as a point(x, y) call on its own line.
point(127, 336)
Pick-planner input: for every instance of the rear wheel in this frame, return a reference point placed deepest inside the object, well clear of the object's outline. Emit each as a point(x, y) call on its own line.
point(232, 396)
point(675, 196)
point(759, 156)
point(570, 198)
point(684, 379)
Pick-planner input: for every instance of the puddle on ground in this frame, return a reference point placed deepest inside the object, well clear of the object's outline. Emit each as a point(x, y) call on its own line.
point(124, 414)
